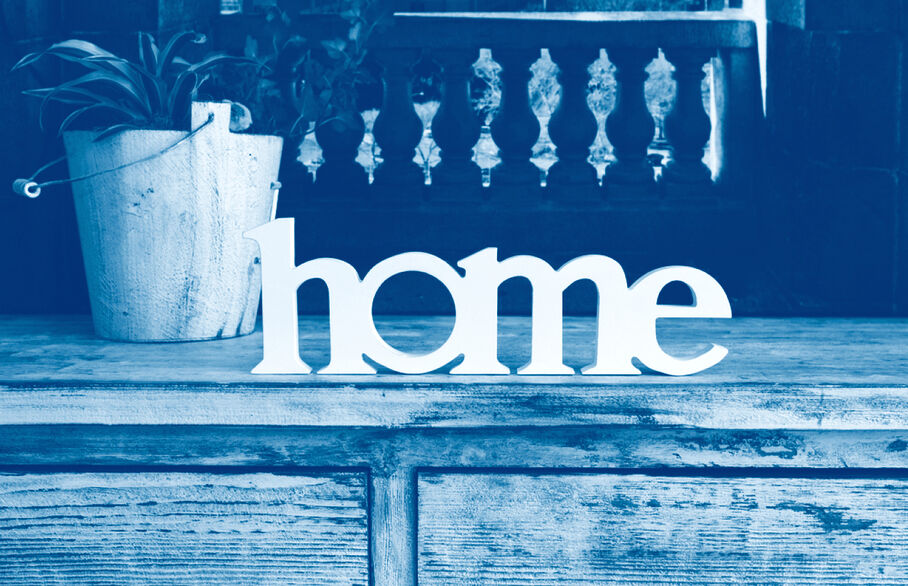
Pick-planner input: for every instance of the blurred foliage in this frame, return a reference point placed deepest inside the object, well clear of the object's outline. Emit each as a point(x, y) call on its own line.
point(304, 81)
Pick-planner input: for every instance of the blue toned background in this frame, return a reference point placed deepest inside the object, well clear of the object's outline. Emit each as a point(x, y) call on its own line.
point(822, 231)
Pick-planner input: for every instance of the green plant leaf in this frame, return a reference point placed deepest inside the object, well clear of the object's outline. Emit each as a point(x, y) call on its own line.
point(27, 60)
point(48, 93)
point(103, 81)
point(115, 129)
point(71, 93)
point(131, 77)
point(335, 48)
point(73, 50)
point(73, 116)
point(148, 53)
point(216, 59)
point(177, 42)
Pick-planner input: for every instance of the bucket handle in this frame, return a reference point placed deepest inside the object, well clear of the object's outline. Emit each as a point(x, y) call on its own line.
point(31, 189)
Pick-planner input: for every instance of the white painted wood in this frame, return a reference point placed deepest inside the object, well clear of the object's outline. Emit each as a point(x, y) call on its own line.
point(394, 525)
point(785, 374)
point(162, 240)
point(781, 352)
point(390, 451)
point(815, 411)
point(182, 528)
point(626, 315)
point(594, 529)
point(378, 404)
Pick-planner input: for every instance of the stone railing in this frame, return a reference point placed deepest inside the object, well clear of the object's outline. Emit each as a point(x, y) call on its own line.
point(687, 213)
point(689, 41)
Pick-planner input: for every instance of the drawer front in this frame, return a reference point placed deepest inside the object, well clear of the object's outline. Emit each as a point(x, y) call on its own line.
point(166, 528)
point(553, 529)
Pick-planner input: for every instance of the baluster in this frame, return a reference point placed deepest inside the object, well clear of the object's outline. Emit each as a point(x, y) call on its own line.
point(340, 175)
point(687, 125)
point(456, 129)
point(397, 128)
point(630, 125)
point(515, 128)
point(573, 127)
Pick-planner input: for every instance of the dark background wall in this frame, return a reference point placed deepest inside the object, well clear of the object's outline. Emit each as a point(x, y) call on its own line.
point(837, 119)
point(834, 217)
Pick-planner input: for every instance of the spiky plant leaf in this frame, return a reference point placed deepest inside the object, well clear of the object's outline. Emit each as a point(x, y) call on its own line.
point(67, 122)
point(155, 91)
point(148, 52)
point(114, 130)
point(176, 42)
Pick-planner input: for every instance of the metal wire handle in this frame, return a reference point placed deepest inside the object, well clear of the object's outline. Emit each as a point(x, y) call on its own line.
point(31, 189)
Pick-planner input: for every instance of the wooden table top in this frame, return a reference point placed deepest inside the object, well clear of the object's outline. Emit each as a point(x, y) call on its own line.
point(803, 373)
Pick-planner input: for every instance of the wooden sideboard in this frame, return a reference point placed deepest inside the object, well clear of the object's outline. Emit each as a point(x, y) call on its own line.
point(170, 463)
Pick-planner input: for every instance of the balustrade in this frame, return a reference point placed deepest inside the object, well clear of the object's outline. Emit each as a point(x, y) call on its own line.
point(573, 126)
point(456, 128)
point(515, 129)
point(630, 125)
point(687, 126)
point(340, 175)
point(453, 40)
point(398, 128)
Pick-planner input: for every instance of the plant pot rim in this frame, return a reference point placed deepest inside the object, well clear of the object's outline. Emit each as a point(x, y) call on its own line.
point(195, 116)
point(171, 130)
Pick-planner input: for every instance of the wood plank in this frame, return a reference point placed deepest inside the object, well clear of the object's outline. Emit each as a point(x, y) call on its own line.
point(393, 524)
point(172, 528)
point(781, 374)
point(29, 447)
point(787, 351)
point(453, 404)
point(521, 529)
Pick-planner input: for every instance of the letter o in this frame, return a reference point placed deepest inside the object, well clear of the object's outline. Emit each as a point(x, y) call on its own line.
point(375, 346)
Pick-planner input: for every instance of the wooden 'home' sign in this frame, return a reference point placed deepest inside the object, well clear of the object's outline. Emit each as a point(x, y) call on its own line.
point(626, 315)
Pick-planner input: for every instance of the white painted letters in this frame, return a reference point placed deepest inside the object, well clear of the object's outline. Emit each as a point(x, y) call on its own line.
point(626, 316)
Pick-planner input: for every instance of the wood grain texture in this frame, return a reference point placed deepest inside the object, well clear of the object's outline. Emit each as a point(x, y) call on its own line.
point(162, 528)
point(778, 351)
point(520, 529)
point(458, 405)
point(162, 241)
point(394, 526)
point(386, 451)
point(785, 462)
point(781, 374)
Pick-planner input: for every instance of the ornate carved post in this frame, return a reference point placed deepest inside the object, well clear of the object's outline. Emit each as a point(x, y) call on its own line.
point(515, 128)
point(340, 175)
point(397, 128)
point(456, 129)
point(630, 125)
point(573, 127)
point(687, 125)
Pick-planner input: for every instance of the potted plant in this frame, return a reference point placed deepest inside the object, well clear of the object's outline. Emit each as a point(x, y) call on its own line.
point(163, 190)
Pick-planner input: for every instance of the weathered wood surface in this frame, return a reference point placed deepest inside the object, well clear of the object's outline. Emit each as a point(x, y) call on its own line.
point(179, 528)
point(782, 352)
point(788, 456)
point(520, 529)
point(48, 447)
point(780, 374)
point(165, 257)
